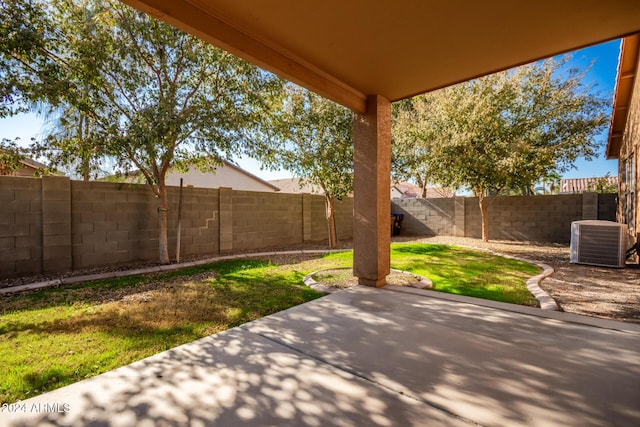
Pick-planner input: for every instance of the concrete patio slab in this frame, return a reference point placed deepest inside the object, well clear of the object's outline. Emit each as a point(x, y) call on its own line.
point(375, 357)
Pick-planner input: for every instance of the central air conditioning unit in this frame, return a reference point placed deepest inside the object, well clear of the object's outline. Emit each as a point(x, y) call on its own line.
point(600, 243)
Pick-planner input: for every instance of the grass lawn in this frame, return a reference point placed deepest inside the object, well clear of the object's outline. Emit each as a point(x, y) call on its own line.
point(58, 336)
point(461, 271)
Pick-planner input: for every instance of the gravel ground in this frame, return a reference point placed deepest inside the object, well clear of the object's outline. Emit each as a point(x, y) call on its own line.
point(593, 291)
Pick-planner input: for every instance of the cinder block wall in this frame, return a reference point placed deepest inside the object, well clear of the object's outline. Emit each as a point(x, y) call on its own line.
point(426, 217)
point(20, 226)
point(315, 219)
point(344, 219)
point(115, 223)
point(535, 218)
point(266, 219)
point(112, 224)
point(607, 204)
point(314, 211)
point(200, 221)
point(54, 224)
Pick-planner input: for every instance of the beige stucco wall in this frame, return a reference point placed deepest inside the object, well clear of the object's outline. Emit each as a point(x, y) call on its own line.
point(631, 149)
point(224, 176)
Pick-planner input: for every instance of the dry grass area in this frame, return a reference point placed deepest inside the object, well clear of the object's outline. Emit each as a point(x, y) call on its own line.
point(58, 336)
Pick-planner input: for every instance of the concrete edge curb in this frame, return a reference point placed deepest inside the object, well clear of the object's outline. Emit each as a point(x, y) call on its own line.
point(155, 269)
point(533, 283)
point(310, 282)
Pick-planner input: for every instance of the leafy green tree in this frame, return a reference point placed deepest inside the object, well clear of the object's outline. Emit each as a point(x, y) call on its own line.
point(11, 156)
point(152, 96)
point(506, 130)
point(414, 123)
point(314, 141)
point(603, 184)
point(30, 71)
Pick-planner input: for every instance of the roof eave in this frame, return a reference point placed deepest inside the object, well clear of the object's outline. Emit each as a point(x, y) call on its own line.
point(627, 71)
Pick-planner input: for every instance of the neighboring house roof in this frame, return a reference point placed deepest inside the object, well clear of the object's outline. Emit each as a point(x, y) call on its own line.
point(293, 185)
point(33, 164)
point(215, 179)
point(408, 190)
point(28, 168)
point(627, 71)
point(583, 185)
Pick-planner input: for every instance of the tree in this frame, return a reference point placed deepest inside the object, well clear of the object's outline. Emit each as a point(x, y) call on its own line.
point(11, 156)
point(154, 96)
point(410, 153)
point(507, 130)
point(316, 144)
point(603, 184)
point(29, 71)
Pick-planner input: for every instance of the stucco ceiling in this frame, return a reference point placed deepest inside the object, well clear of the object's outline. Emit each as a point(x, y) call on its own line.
point(347, 49)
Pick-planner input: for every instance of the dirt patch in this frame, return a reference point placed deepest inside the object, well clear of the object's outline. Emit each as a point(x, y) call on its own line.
point(343, 278)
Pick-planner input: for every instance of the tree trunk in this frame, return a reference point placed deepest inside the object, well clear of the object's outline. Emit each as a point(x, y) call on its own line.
point(423, 185)
point(483, 213)
point(86, 172)
point(85, 165)
point(331, 220)
point(163, 243)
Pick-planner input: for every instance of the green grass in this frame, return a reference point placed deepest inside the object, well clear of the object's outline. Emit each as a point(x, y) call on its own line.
point(58, 336)
point(467, 272)
point(462, 271)
point(55, 337)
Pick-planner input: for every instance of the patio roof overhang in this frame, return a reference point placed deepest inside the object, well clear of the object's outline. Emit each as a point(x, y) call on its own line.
point(345, 50)
point(627, 71)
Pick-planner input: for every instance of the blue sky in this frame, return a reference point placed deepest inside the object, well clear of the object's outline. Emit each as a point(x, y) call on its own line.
point(602, 74)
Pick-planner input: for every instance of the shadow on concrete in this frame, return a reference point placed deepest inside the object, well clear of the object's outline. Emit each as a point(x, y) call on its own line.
point(373, 357)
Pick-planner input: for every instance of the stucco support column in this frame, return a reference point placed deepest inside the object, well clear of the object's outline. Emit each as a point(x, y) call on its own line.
point(371, 188)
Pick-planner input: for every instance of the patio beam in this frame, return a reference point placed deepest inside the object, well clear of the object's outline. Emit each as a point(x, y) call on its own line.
point(372, 202)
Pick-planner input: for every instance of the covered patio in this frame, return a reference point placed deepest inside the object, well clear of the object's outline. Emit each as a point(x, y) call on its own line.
point(388, 356)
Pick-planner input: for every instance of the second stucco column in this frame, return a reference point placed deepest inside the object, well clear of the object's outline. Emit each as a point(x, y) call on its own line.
point(372, 183)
